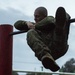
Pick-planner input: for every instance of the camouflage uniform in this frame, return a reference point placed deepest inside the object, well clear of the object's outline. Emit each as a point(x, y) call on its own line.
point(47, 38)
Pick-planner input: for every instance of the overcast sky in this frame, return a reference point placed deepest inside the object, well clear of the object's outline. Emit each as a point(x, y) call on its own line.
point(13, 10)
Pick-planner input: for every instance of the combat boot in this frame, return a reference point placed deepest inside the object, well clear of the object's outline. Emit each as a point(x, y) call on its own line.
point(60, 17)
point(49, 63)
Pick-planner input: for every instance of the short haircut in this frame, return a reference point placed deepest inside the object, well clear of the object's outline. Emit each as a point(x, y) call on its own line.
point(42, 10)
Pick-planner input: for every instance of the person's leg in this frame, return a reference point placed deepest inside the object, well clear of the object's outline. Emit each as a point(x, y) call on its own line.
point(59, 46)
point(36, 43)
point(42, 52)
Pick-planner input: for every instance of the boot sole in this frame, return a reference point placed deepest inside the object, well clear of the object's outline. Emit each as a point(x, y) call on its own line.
point(60, 17)
point(50, 64)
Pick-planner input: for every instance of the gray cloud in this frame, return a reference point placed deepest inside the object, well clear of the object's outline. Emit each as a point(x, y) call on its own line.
point(21, 51)
point(11, 15)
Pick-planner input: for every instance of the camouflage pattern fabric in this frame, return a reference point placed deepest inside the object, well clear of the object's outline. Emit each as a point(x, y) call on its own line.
point(42, 39)
point(45, 38)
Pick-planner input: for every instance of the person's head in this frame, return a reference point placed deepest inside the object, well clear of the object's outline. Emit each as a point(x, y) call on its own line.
point(40, 13)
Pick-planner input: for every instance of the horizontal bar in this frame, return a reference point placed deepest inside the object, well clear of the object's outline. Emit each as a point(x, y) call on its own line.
point(23, 31)
point(64, 73)
point(17, 32)
point(72, 20)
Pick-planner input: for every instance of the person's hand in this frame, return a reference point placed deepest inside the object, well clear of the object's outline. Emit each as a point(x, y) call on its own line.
point(30, 25)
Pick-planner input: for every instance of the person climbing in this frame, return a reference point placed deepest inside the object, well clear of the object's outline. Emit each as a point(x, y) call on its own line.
point(48, 36)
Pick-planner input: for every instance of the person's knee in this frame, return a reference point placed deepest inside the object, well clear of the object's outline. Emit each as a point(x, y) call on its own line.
point(30, 33)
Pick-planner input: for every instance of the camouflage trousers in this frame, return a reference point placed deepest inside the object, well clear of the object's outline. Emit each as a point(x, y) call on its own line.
point(53, 42)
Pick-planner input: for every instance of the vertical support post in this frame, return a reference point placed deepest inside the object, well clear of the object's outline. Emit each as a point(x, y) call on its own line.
point(6, 49)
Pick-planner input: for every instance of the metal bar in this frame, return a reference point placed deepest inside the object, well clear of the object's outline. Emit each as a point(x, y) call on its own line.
point(64, 73)
point(23, 31)
point(72, 20)
point(17, 32)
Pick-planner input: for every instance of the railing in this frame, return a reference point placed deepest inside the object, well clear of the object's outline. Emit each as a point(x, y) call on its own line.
point(36, 72)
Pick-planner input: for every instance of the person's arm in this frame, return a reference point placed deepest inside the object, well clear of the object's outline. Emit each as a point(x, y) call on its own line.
point(46, 24)
point(23, 25)
point(30, 25)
